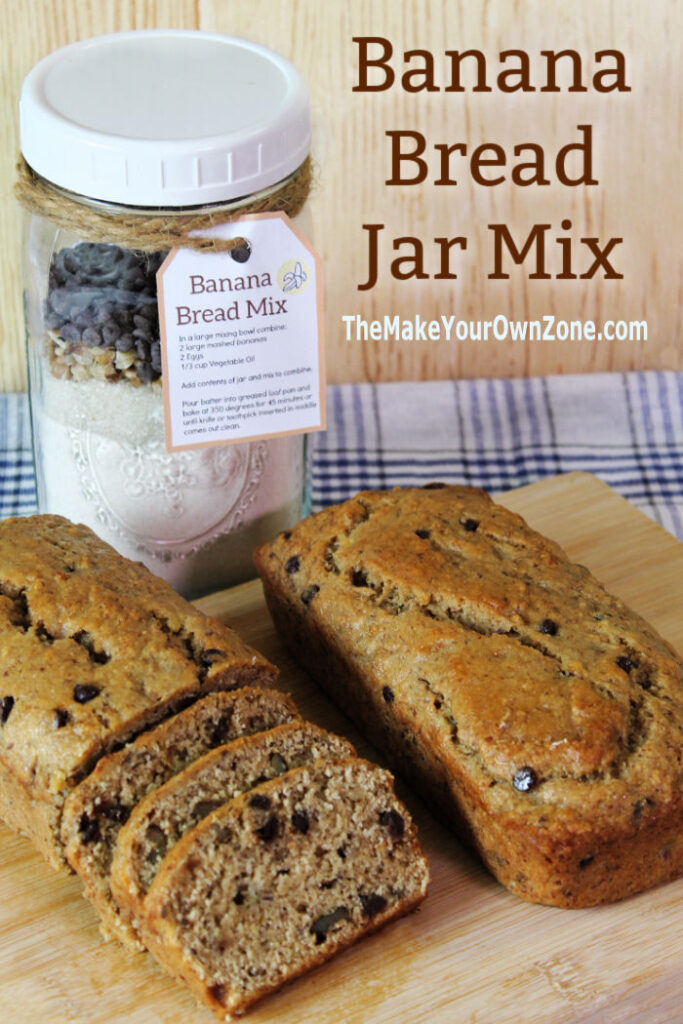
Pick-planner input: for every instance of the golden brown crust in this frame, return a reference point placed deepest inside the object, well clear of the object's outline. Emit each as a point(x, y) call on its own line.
point(93, 649)
point(530, 705)
point(38, 820)
point(250, 899)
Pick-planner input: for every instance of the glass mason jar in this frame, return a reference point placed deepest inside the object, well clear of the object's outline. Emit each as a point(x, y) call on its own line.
point(95, 374)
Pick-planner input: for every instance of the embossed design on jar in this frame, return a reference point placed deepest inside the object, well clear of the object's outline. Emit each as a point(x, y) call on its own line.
point(165, 476)
point(169, 504)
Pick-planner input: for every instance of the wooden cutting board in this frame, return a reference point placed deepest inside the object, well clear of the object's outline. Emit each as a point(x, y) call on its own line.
point(473, 953)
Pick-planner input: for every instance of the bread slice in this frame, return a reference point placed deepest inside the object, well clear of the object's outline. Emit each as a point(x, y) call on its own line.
point(97, 808)
point(280, 879)
point(167, 813)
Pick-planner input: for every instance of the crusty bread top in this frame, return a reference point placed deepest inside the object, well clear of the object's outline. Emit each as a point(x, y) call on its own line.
point(93, 647)
point(514, 660)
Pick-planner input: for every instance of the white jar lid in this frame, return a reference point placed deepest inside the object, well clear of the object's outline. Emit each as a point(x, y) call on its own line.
point(164, 118)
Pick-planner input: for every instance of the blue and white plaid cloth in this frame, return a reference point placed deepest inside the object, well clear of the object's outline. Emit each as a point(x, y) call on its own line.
point(499, 434)
point(17, 479)
point(496, 434)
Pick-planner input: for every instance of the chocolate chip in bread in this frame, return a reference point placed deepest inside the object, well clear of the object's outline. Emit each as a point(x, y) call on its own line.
point(280, 879)
point(96, 810)
point(167, 813)
point(93, 649)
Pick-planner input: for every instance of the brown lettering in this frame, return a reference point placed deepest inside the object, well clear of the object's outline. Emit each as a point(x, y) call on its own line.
point(414, 262)
point(586, 149)
point(552, 60)
point(479, 160)
point(515, 79)
point(381, 63)
point(456, 58)
point(601, 258)
point(536, 166)
point(398, 158)
point(420, 79)
point(617, 73)
point(502, 236)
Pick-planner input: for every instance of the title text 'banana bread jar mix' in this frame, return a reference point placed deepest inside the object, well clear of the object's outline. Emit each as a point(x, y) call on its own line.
point(172, 297)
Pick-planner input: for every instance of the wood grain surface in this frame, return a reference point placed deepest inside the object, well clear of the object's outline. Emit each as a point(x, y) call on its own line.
point(637, 144)
point(474, 954)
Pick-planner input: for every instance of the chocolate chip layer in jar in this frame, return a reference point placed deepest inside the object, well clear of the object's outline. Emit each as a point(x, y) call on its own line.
point(98, 419)
point(102, 219)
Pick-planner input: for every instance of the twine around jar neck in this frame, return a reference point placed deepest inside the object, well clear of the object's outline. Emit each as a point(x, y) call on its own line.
point(148, 231)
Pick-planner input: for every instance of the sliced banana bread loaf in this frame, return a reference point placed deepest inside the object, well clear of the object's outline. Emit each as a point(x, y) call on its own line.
point(537, 713)
point(97, 808)
point(167, 813)
point(282, 877)
point(93, 649)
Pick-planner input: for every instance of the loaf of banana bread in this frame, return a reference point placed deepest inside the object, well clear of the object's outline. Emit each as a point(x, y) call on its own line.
point(540, 716)
point(93, 650)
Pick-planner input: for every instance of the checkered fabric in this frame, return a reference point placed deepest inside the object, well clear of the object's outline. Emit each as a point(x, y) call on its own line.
point(496, 434)
point(17, 480)
point(627, 429)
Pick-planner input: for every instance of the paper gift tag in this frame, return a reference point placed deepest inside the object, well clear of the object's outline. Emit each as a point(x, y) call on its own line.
point(241, 337)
